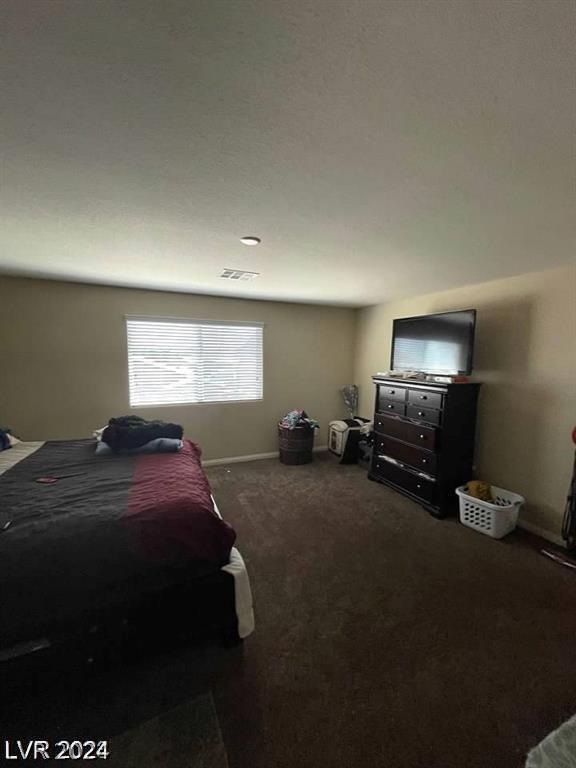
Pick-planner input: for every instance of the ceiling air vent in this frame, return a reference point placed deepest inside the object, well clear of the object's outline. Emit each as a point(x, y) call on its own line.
point(238, 274)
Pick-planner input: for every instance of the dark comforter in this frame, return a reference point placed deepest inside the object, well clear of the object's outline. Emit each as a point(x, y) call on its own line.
point(110, 529)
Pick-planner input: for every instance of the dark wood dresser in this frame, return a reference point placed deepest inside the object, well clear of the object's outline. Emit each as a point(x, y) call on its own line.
point(424, 439)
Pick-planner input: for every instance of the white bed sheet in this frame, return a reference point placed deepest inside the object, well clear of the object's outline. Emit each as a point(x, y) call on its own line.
point(11, 456)
point(242, 590)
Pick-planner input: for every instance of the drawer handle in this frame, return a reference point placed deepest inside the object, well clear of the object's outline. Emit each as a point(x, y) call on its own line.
point(391, 391)
point(420, 413)
point(422, 437)
point(424, 461)
point(423, 397)
point(418, 486)
point(391, 407)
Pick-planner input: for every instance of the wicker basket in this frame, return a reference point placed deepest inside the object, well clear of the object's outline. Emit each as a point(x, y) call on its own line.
point(494, 519)
point(295, 444)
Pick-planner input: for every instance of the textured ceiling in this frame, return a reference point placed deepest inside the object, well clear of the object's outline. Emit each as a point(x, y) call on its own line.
point(379, 149)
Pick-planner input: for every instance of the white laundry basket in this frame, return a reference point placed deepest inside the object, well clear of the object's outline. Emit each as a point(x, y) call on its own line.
point(494, 519)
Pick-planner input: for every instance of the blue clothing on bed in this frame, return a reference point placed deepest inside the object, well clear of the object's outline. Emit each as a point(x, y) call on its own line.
point(160, 445)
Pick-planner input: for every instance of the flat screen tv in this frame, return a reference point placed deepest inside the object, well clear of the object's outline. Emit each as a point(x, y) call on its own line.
point(440, 344)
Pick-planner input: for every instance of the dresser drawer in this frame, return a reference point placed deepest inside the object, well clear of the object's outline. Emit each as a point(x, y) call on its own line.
point(408, 454)
point(422, 397)
point(424, 489)
point(423, 414)
point(391, 392)
point(424, 437)
point(392, 406)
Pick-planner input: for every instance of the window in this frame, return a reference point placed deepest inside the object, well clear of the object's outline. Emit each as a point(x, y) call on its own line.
point(181, 361)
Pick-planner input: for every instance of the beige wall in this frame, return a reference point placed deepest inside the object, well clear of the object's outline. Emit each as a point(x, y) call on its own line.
point(63, 367)
point(526, 358)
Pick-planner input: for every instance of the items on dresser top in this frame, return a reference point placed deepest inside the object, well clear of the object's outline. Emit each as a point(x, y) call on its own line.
point(403, 375)
point(424, 439)
point(420, 376)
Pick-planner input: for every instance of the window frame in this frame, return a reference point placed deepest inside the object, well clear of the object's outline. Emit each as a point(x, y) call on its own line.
point(192, 321)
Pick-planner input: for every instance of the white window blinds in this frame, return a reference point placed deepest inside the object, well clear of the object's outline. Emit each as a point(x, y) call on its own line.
point(181, 361)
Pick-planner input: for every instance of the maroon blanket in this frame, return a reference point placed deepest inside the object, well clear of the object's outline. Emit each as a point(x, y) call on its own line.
point(170, 505)
point(110, 529)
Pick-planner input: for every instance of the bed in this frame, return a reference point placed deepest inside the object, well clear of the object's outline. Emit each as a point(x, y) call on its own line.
point(87, 539)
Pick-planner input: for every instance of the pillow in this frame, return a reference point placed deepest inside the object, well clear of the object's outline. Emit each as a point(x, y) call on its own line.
point(102, 449)
point(4, 440)
point(160, 445)
point(7, 439)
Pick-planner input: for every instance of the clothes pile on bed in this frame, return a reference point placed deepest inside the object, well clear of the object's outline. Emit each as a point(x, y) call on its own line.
point(134, 435)
point(7, 439)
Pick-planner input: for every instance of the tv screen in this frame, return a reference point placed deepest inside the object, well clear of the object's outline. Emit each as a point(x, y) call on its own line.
point(438, 344)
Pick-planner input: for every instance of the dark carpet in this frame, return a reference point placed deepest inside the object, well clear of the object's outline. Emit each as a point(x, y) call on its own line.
point(384, 639)
point(185, 737)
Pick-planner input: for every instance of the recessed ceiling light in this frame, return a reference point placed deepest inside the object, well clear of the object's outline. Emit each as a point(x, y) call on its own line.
point(250, 240)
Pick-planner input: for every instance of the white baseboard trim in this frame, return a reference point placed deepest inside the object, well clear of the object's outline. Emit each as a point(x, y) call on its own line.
point(542, 532)
point(237, 459)
point(252, 457)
